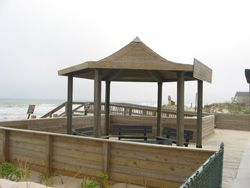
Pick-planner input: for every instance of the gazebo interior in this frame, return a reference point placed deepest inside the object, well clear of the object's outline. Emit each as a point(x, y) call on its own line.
point(136, 62)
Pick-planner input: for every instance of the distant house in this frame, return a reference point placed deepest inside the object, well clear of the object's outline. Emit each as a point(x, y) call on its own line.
point(241, 98)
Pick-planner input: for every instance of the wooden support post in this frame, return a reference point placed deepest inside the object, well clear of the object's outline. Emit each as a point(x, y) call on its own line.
point(97, 104)
point(69, 104)
point(106, 161)
point(107, 108)
point(159, 109)
point(130, 111)
point(106, 153)
point(199, 114)
point(5, 146)
point(180, 109)
point(48, 157)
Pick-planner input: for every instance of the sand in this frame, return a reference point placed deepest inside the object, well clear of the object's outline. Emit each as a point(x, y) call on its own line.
point(36, 178)
point(10, 184)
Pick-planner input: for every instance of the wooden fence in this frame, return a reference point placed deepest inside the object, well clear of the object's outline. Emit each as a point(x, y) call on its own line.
point(59, 125)
point(233, 121)
point(134, 163)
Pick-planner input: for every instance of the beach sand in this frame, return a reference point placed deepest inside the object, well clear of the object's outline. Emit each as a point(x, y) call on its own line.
point(36, 180)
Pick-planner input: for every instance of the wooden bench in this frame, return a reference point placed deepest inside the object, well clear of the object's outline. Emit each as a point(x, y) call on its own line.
point(171, 132)
point(124, 130)
point(85, 131)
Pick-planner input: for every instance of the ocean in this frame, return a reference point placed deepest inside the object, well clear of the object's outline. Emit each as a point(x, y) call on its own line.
point(16, 109)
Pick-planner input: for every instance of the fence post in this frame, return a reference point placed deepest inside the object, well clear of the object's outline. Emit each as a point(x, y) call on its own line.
point(48, 157)
point(5, 146)
point(130, 111)
point(106, 152)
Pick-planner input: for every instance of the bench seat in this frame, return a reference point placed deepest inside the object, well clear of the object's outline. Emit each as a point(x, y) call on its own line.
point(172, 132)
point(123, 131)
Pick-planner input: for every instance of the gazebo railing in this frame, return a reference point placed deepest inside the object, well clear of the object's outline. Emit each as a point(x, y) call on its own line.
point(209, 174)
point(116, 109)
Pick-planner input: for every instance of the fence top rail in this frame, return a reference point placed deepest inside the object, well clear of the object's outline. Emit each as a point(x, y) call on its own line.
point(107, 140)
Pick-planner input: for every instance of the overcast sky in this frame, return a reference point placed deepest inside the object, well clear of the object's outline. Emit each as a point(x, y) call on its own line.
point(40, 37)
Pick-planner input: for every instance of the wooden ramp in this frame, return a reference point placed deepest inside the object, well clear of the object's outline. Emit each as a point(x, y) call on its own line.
point(243, 177)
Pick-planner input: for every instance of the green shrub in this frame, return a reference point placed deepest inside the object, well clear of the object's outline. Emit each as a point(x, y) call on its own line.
point(10, 172)
point(94, 183)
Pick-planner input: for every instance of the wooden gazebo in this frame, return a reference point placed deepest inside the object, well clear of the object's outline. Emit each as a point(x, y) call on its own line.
point(136, 62)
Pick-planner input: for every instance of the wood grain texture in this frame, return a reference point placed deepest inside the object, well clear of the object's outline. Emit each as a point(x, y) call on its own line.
point(154, 165)
point(233, 121)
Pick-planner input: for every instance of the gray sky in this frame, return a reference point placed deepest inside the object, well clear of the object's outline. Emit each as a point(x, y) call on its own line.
point(40, 37)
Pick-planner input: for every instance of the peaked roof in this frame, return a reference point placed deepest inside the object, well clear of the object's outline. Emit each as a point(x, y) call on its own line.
point(134, 62)
point(242, 94)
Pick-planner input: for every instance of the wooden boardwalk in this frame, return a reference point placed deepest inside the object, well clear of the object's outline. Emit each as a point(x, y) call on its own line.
point(243, 177)
point(235, 145)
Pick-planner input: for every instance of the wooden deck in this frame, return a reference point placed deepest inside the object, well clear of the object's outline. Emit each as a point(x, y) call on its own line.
point(235, 146)
point(242, 180)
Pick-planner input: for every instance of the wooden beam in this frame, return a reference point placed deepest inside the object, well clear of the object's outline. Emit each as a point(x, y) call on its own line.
point(180, 109)
point(159, 108)
point(107, 106)
point(112, 76)
point(69, 104)
point(97, 104)
point(155, 75)
point(199, 114)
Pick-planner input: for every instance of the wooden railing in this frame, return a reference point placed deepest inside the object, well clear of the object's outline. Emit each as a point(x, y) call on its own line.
point(117, 109)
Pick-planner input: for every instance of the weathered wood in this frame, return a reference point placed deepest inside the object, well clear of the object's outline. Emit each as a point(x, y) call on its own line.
point(173, 169)
point(73, 170)
point(5, 145)
point(180, 109)
point(27, 146)
point(78, 154)
point(113, 75)
point(48, 154)
point(77, 141)
point(107, 108)
point(199, 114)
point(233, 121)
point(54, 110)
point(81, 156)
point(26, 158)
point(26, 152)
point(69, 104)
point(106, 158)
point(155, 75)
point(158, 157)
point(86, 163)
point(97, 104)
point(202, 72)
point(159, 108)
point(143, 181)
